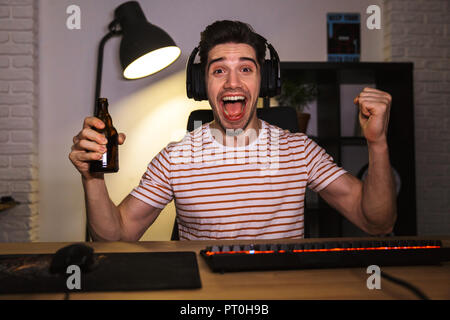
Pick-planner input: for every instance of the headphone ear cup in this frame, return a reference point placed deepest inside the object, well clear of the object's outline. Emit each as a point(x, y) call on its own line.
point(190, 81)
point(199, 83)
point(265, 71)
point(195, 80)
point(275, 79)
point(273, 85)
point(202, 85)
point(270, 77)
point(271, 82)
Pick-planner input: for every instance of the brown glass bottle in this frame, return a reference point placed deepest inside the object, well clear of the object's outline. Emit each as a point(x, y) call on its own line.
point(110, 160)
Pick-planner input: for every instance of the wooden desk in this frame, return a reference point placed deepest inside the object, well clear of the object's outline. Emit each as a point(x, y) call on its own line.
point(348, 283)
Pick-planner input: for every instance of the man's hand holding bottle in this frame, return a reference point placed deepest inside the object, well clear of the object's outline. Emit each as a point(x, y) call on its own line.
point(90, 145)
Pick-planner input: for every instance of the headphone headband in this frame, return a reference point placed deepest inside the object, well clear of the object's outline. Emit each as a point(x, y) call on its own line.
point(270, 76)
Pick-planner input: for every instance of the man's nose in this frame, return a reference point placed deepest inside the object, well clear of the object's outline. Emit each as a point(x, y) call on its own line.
point(233, 80)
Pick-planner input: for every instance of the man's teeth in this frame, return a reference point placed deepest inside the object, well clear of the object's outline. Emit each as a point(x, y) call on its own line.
point(233, 98)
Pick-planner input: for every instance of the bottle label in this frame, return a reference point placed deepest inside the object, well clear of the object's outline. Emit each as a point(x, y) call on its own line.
point(104, 160)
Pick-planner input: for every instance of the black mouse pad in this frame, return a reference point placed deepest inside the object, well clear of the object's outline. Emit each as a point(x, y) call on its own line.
point(112, 272)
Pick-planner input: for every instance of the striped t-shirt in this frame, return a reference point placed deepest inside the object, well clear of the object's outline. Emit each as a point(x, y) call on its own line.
point(251, 192)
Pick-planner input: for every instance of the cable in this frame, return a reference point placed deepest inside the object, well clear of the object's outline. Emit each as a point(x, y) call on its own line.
point(405, 284)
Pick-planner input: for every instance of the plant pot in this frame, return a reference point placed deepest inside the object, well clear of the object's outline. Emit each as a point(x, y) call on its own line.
point(303, 119)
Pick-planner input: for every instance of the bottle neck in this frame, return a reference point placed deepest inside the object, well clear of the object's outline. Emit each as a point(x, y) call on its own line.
point(102, 110)
point(101, 107)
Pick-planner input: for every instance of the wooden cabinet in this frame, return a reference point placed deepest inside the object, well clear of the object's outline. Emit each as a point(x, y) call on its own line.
point(338, 134)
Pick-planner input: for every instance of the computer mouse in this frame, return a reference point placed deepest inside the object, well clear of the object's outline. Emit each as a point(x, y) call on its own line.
point(75, 254)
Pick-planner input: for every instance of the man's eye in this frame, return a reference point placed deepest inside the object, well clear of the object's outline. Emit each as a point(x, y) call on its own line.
point(246, 69)
point(217, 71)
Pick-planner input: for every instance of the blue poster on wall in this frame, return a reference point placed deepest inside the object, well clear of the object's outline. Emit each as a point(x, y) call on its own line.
point(343, 37)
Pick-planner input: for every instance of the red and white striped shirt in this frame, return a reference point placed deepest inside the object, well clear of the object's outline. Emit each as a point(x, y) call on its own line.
point(251, 192)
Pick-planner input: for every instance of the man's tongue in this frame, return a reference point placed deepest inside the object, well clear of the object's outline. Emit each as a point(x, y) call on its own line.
point(233, 109)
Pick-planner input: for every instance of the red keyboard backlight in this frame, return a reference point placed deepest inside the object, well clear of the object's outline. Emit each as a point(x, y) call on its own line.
point(209, 253)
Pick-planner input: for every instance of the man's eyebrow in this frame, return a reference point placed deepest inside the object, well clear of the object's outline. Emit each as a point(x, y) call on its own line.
point(249, 59)
point(213, 61)
point(222, 58)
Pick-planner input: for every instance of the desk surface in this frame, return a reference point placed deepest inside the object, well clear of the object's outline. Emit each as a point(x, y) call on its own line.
point(348, 283)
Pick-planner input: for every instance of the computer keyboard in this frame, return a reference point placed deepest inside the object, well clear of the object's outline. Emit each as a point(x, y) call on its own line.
point(329, 254)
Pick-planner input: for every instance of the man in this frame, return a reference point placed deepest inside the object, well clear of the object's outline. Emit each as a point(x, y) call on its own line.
point(243, 198)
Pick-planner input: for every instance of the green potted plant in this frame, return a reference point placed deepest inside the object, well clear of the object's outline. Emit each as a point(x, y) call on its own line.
point(298, 94)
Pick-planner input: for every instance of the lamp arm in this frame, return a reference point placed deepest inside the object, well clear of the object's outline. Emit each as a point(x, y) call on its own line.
point(113, 31)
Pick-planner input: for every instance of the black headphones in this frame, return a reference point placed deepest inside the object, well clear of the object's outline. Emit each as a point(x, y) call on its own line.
point(270, 77)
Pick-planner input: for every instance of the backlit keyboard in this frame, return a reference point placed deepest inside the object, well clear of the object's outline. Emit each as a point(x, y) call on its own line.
point(331, 254)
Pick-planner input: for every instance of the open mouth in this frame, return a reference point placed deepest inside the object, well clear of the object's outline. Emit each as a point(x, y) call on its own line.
point(233, 106)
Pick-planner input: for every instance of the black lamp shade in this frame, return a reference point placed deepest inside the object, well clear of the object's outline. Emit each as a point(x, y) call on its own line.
point(145, 48)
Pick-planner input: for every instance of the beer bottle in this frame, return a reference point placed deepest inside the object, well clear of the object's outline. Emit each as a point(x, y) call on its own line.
point(110, 160)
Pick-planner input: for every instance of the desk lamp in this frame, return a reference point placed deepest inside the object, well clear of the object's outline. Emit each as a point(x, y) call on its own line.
point(144, 50)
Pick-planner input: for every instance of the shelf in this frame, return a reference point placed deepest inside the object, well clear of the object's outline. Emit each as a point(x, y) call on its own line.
point(335, 133)
point(7, 203)
point(6, 206)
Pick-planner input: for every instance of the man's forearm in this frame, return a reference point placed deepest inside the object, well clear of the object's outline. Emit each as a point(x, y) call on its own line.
point(379, 197)
point(103, 216)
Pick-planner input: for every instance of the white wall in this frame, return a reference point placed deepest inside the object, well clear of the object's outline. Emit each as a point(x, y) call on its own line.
point(154, 110)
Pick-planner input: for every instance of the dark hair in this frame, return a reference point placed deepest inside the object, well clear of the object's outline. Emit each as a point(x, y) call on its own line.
point(226, 31)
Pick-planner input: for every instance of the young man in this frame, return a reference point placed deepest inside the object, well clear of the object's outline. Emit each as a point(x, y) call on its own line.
point(239, 177)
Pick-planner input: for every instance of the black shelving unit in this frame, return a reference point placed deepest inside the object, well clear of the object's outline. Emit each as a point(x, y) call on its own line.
point(395, 78)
